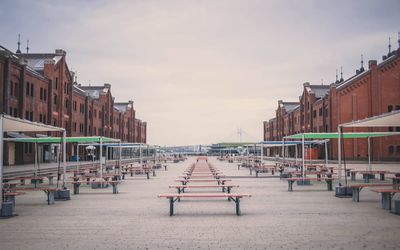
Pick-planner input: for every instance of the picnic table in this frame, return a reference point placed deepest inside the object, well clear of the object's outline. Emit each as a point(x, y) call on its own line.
point(387, 195)
point(219, 181)
point(181, 188)
point(356, 188)
point(49, 191)
point(113, 183)
point(368, 174)
point(292, 180)
point(175, 197)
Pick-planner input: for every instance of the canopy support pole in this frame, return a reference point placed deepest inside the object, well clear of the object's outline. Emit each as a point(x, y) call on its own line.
point(1, 157)
point(101, 157)
point(36, 160)
point(77, 158)
point(340, 154)
point(140, 154)
point(283, 150)
point(369, 154)
point(326, 153)
point(64, 141)
point(302, 149)
point(119, 157)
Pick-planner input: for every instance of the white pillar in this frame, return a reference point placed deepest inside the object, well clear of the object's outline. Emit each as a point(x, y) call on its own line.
point(101, 157)
point(140, 153)
point(369, 154)
point(1, 156)
point(77, 157)
point(36, 160)
point(119, 157)
point(340, 154)
point(64, 141)
point(302, 149)
point(326, 153)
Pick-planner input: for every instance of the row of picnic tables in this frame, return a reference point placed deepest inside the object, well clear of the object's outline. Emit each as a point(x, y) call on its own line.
point(209, 177)
point(380, 185)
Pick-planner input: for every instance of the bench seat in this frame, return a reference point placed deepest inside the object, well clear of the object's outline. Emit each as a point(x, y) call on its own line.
point(328, 181)
point(356, 188)
point(176, 197)
point(387, 195)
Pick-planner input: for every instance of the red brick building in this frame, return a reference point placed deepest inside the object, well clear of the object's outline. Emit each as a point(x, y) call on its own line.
point(322, 108)
point(41, 88)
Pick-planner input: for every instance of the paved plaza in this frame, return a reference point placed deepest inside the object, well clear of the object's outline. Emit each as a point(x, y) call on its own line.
point(273, 218)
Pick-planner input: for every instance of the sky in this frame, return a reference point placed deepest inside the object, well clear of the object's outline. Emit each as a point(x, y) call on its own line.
point(198, 71)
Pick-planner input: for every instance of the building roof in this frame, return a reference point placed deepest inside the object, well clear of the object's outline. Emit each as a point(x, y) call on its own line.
point(96, 91)
point(122, 106)
point(289, 106)
point(37, 61)
point(319, 90)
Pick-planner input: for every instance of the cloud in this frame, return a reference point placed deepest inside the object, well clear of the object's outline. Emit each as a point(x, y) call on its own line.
point(198, 70)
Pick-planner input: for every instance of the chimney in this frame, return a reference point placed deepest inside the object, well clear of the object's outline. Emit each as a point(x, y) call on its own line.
point(61, 52)
point(372, 63)
point(107, 85)
point(306, 84)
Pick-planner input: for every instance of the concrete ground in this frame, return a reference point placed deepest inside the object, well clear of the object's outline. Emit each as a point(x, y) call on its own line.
point(273, 218)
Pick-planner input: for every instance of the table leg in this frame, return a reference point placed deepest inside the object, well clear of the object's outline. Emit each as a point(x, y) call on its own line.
point(171, 206)
point(237, 201)
point(356, 194)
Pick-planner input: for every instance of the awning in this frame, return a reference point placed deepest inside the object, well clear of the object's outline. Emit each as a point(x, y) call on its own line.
point(344, 135)
point(93, 139)
point(391, 119)
point(13, 124)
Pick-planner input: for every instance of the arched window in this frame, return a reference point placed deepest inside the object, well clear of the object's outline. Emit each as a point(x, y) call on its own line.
point(390, 108)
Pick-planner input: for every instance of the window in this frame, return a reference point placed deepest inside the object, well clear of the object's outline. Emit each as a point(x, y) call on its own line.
point(390, 129)
point(26, 115)
point(15, 89)
point(40, 117)
point(45, 94)
point(391, 149)
point(314, 113)
point(10, 112)
point(56, 83)
point(32, 90)
point(44, 118)
point(55, 100)
point(74, 105)
point(66, 104)
point(397, 107)
point(74, 126)
point(398, 149)
point(27, 88)
point(31, 116)
point(15, 112)
point(41, 94)
point(390, 108)
point(11, 89)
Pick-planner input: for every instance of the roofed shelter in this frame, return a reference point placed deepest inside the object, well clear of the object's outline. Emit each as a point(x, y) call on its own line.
point(12, 124)
point(90, 139)
point(338, 136)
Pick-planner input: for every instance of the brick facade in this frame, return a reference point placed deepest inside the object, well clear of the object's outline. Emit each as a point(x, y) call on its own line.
point(41, 88)
point(322, 108)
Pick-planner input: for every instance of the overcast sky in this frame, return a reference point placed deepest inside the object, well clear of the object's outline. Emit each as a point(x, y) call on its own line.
point(199, 70)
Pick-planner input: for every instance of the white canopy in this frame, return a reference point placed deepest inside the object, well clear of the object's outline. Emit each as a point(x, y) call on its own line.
point(13, 124)
point(391, 119)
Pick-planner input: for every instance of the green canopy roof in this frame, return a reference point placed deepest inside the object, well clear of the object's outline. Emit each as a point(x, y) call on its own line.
point(344, 135)
point(234, 144)
point(89, 139)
